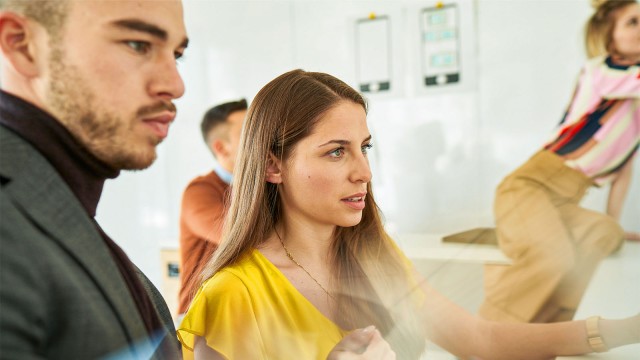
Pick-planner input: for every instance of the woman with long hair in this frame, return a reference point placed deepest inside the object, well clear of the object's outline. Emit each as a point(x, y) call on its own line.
point(305, 257)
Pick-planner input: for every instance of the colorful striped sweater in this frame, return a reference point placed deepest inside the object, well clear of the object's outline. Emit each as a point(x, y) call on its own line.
point(600, 131)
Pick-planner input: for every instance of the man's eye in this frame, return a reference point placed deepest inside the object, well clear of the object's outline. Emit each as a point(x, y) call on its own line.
point(141, 47)
point(365, 148)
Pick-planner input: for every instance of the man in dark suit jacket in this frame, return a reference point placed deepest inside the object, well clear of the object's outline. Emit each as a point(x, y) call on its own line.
point(87, 90)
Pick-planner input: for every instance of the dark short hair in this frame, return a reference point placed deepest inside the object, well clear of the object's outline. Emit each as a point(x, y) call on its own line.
point(218, 115)
point(50, 14)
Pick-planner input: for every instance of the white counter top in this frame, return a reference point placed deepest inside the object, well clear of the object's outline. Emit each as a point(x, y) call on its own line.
point(418, 246)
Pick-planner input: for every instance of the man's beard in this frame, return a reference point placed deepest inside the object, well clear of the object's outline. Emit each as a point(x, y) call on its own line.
point(104, 134)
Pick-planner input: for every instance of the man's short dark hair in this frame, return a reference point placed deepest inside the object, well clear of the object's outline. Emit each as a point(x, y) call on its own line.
point(50, 14)
point(218, 115)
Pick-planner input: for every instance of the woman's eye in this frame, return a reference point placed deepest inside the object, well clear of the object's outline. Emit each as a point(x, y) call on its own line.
point(337, 153)
point(366, 148)
point(141, 47)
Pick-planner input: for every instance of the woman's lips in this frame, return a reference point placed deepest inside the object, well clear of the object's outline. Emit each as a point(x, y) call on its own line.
point(355, 201)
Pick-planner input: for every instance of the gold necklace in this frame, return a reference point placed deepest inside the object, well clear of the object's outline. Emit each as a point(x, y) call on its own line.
point(301, 267)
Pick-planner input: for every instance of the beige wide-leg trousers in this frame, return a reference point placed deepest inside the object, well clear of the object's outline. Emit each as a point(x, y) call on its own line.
point(555, 244)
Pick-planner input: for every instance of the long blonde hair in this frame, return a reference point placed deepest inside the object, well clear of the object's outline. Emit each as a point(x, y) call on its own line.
point(371, 275)
point(599, 28)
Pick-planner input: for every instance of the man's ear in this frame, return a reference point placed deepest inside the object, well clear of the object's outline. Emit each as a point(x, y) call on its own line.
point(274, 170)
point(17, 43)
point(218, 148)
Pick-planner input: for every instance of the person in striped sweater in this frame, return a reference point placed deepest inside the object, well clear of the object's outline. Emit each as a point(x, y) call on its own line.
point(556, 244)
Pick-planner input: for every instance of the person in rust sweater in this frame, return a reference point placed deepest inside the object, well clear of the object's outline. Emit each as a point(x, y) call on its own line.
point(203, 201)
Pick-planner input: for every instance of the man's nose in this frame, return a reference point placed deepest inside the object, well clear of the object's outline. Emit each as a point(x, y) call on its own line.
point(166, 81)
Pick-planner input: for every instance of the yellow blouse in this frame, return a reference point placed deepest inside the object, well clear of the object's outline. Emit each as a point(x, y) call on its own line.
point(250, 310)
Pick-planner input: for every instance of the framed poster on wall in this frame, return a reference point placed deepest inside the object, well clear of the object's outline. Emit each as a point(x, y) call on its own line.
point(373, 54)
point(440, 32)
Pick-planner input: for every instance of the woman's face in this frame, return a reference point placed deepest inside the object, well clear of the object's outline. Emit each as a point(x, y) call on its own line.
point(626, 33)
point(324, 180)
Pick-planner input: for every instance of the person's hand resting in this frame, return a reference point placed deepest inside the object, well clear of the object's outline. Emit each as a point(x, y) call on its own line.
point(362, 344)
point(632, 236)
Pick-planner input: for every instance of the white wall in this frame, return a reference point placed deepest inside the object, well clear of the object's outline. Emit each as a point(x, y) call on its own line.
point(438, 154)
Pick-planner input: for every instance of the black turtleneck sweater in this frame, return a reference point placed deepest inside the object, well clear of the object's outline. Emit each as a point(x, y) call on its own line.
point(83, 172)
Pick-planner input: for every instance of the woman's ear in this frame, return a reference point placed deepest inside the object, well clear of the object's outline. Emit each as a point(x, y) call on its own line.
point(274, 170)
point(18, 43)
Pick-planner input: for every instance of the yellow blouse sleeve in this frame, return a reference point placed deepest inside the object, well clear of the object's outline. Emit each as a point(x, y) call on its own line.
point(223, 313)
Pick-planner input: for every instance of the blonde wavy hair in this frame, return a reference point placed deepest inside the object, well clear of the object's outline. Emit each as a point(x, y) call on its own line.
point(599, 27)
point(373, 284)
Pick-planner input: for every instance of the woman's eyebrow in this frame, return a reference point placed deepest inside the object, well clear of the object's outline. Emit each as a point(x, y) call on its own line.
point(339, 142)
point(343, 142)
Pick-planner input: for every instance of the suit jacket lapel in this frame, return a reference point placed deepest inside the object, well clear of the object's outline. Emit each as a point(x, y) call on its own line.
point(39, 191)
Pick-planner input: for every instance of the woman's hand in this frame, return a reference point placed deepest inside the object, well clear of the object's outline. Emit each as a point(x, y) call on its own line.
point(362, 344)
point(632, 236)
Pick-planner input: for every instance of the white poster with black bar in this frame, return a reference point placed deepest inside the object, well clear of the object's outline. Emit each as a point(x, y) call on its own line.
point(440, 33)
point(373, 54)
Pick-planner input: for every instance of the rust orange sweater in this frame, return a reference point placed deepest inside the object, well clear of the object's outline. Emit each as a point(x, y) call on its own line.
point(201, 217)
